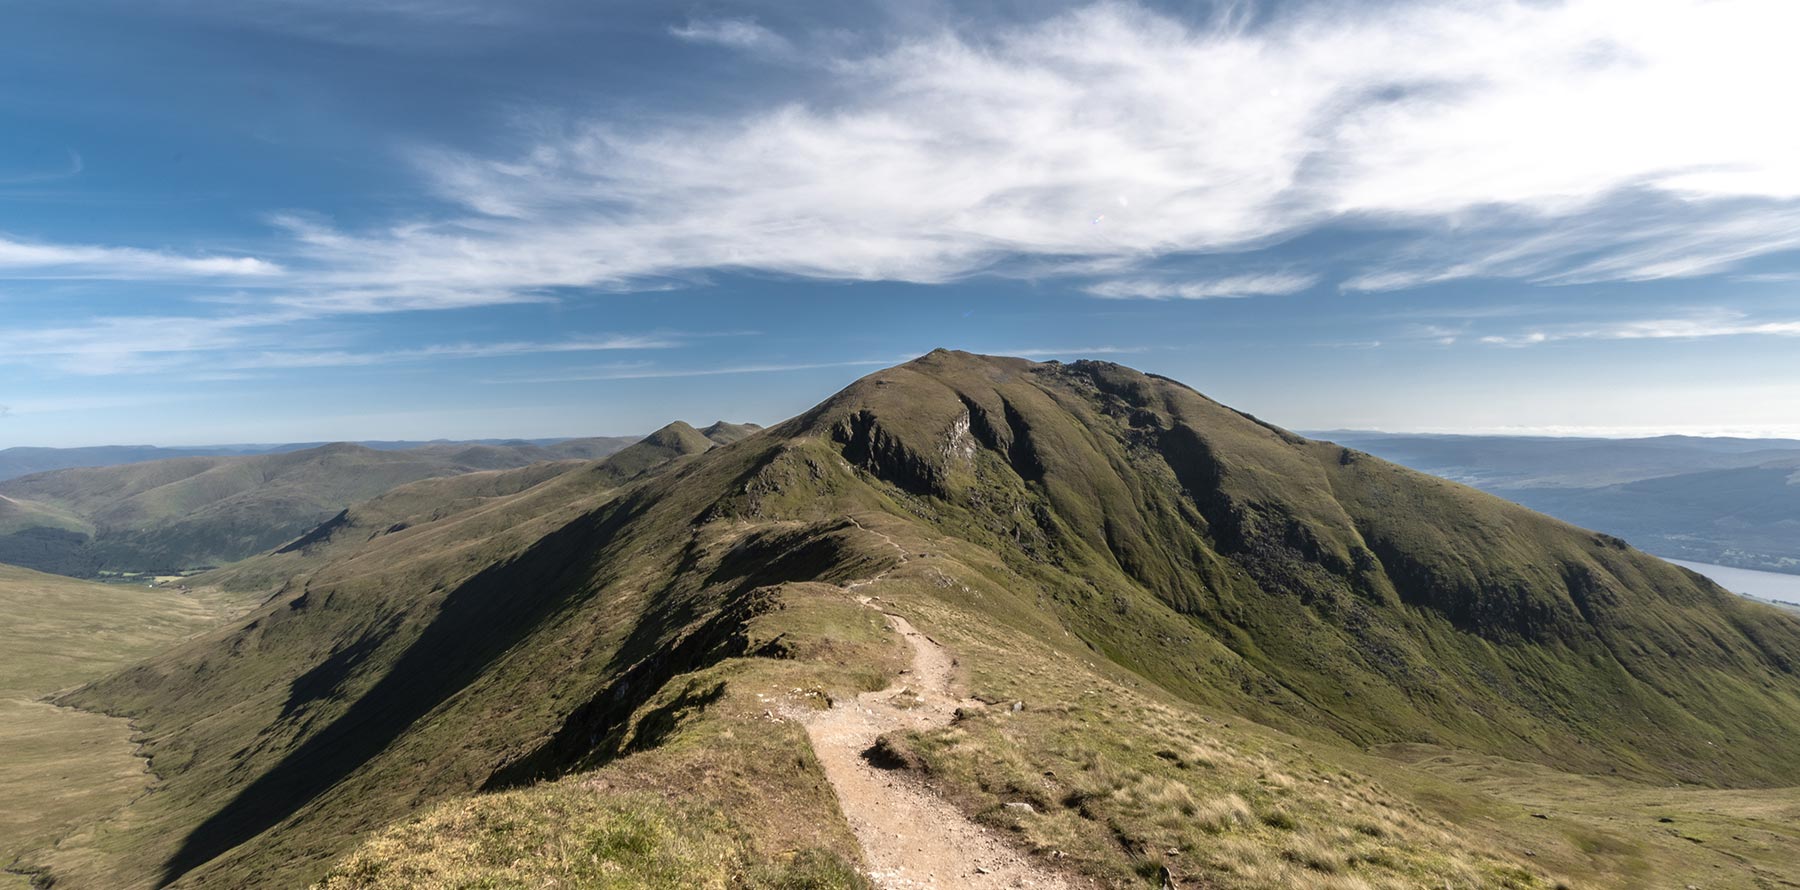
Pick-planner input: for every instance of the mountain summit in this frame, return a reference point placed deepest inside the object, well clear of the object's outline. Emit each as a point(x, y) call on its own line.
point(1203, 623)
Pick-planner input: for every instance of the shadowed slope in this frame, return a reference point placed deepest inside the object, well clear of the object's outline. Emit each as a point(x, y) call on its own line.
point(472, 626)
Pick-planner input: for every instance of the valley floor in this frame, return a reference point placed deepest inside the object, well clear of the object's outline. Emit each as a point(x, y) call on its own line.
point(62, 768)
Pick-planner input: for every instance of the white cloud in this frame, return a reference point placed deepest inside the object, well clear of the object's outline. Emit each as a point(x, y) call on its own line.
point(1556, 142)
point(72, 169)
point(338, 358)
point(1112, 134)
point(639, 371)
point(385, 24)
point(1636, 239)
point(1077, 352)
point(1236, 286)
point(22, 259)
point(1716, 324)
point(257, 341)
point(743, 34)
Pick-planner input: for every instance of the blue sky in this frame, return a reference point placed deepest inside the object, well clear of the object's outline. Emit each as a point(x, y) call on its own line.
point(281, 220)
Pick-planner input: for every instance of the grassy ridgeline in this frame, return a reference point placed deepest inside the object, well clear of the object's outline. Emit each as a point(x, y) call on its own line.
point(1211, 621)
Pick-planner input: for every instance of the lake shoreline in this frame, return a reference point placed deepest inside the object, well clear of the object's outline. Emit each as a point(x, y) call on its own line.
point(1761, 585)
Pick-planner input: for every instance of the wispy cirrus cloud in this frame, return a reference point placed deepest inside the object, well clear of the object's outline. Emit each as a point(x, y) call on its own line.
point(742, 34)
point(1230, 287)
point(1537, 131)
point(340, 358)
point(71, 170)
point(242, 342)
point(1701, 326)
point(647, 371)
point(1582, 141)
point(1589, 140)
point(27, 259)
point(432, 24)
point(1065, 352)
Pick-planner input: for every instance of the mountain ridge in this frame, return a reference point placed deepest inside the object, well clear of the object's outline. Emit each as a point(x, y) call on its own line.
point(1111, 528)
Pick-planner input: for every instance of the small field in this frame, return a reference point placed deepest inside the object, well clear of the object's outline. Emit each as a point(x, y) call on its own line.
point(59, 767)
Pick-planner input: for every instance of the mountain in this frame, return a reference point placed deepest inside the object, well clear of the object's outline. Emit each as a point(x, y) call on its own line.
point(727, 433)
point(1724, 501)
point(1188, 647)
point(171, 515)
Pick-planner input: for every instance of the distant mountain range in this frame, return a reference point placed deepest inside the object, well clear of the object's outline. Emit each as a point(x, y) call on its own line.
point(173, 514)
point(1726, 501)
point(24, 461)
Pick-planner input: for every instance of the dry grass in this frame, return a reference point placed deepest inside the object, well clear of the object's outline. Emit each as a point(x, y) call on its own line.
point(60, 767)
point(1127, 781)
point(731, 798)
point(570, 835)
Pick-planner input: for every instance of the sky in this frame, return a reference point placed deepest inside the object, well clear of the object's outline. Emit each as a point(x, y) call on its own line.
point(302, 220)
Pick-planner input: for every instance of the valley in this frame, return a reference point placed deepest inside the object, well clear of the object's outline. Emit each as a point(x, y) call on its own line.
point(1724, 501)
point(1776, 586)
point(169, 516)
point(63, 768)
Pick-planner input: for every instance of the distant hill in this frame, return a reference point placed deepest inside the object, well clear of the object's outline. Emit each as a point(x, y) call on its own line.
point(196, 511)
point(1748, 517)
point(1732, 502)
point(1188, 643)
point(24, 461)
point(16, 462)
point(437, 501)
point(1553, 462)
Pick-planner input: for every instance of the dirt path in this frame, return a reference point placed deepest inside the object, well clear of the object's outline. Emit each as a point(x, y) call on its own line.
point(911, 837)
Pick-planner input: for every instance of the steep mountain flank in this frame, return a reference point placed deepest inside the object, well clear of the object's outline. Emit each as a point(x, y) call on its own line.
point(1329, 589)
point(1137, 568)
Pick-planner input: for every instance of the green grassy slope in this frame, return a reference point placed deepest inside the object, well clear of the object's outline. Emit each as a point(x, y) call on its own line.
point(1325, 589)
point(18, 515)
point(1146, 567)
point(592, 448)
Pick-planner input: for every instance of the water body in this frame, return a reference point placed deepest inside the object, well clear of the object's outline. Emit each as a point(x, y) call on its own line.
point(1767, 585)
